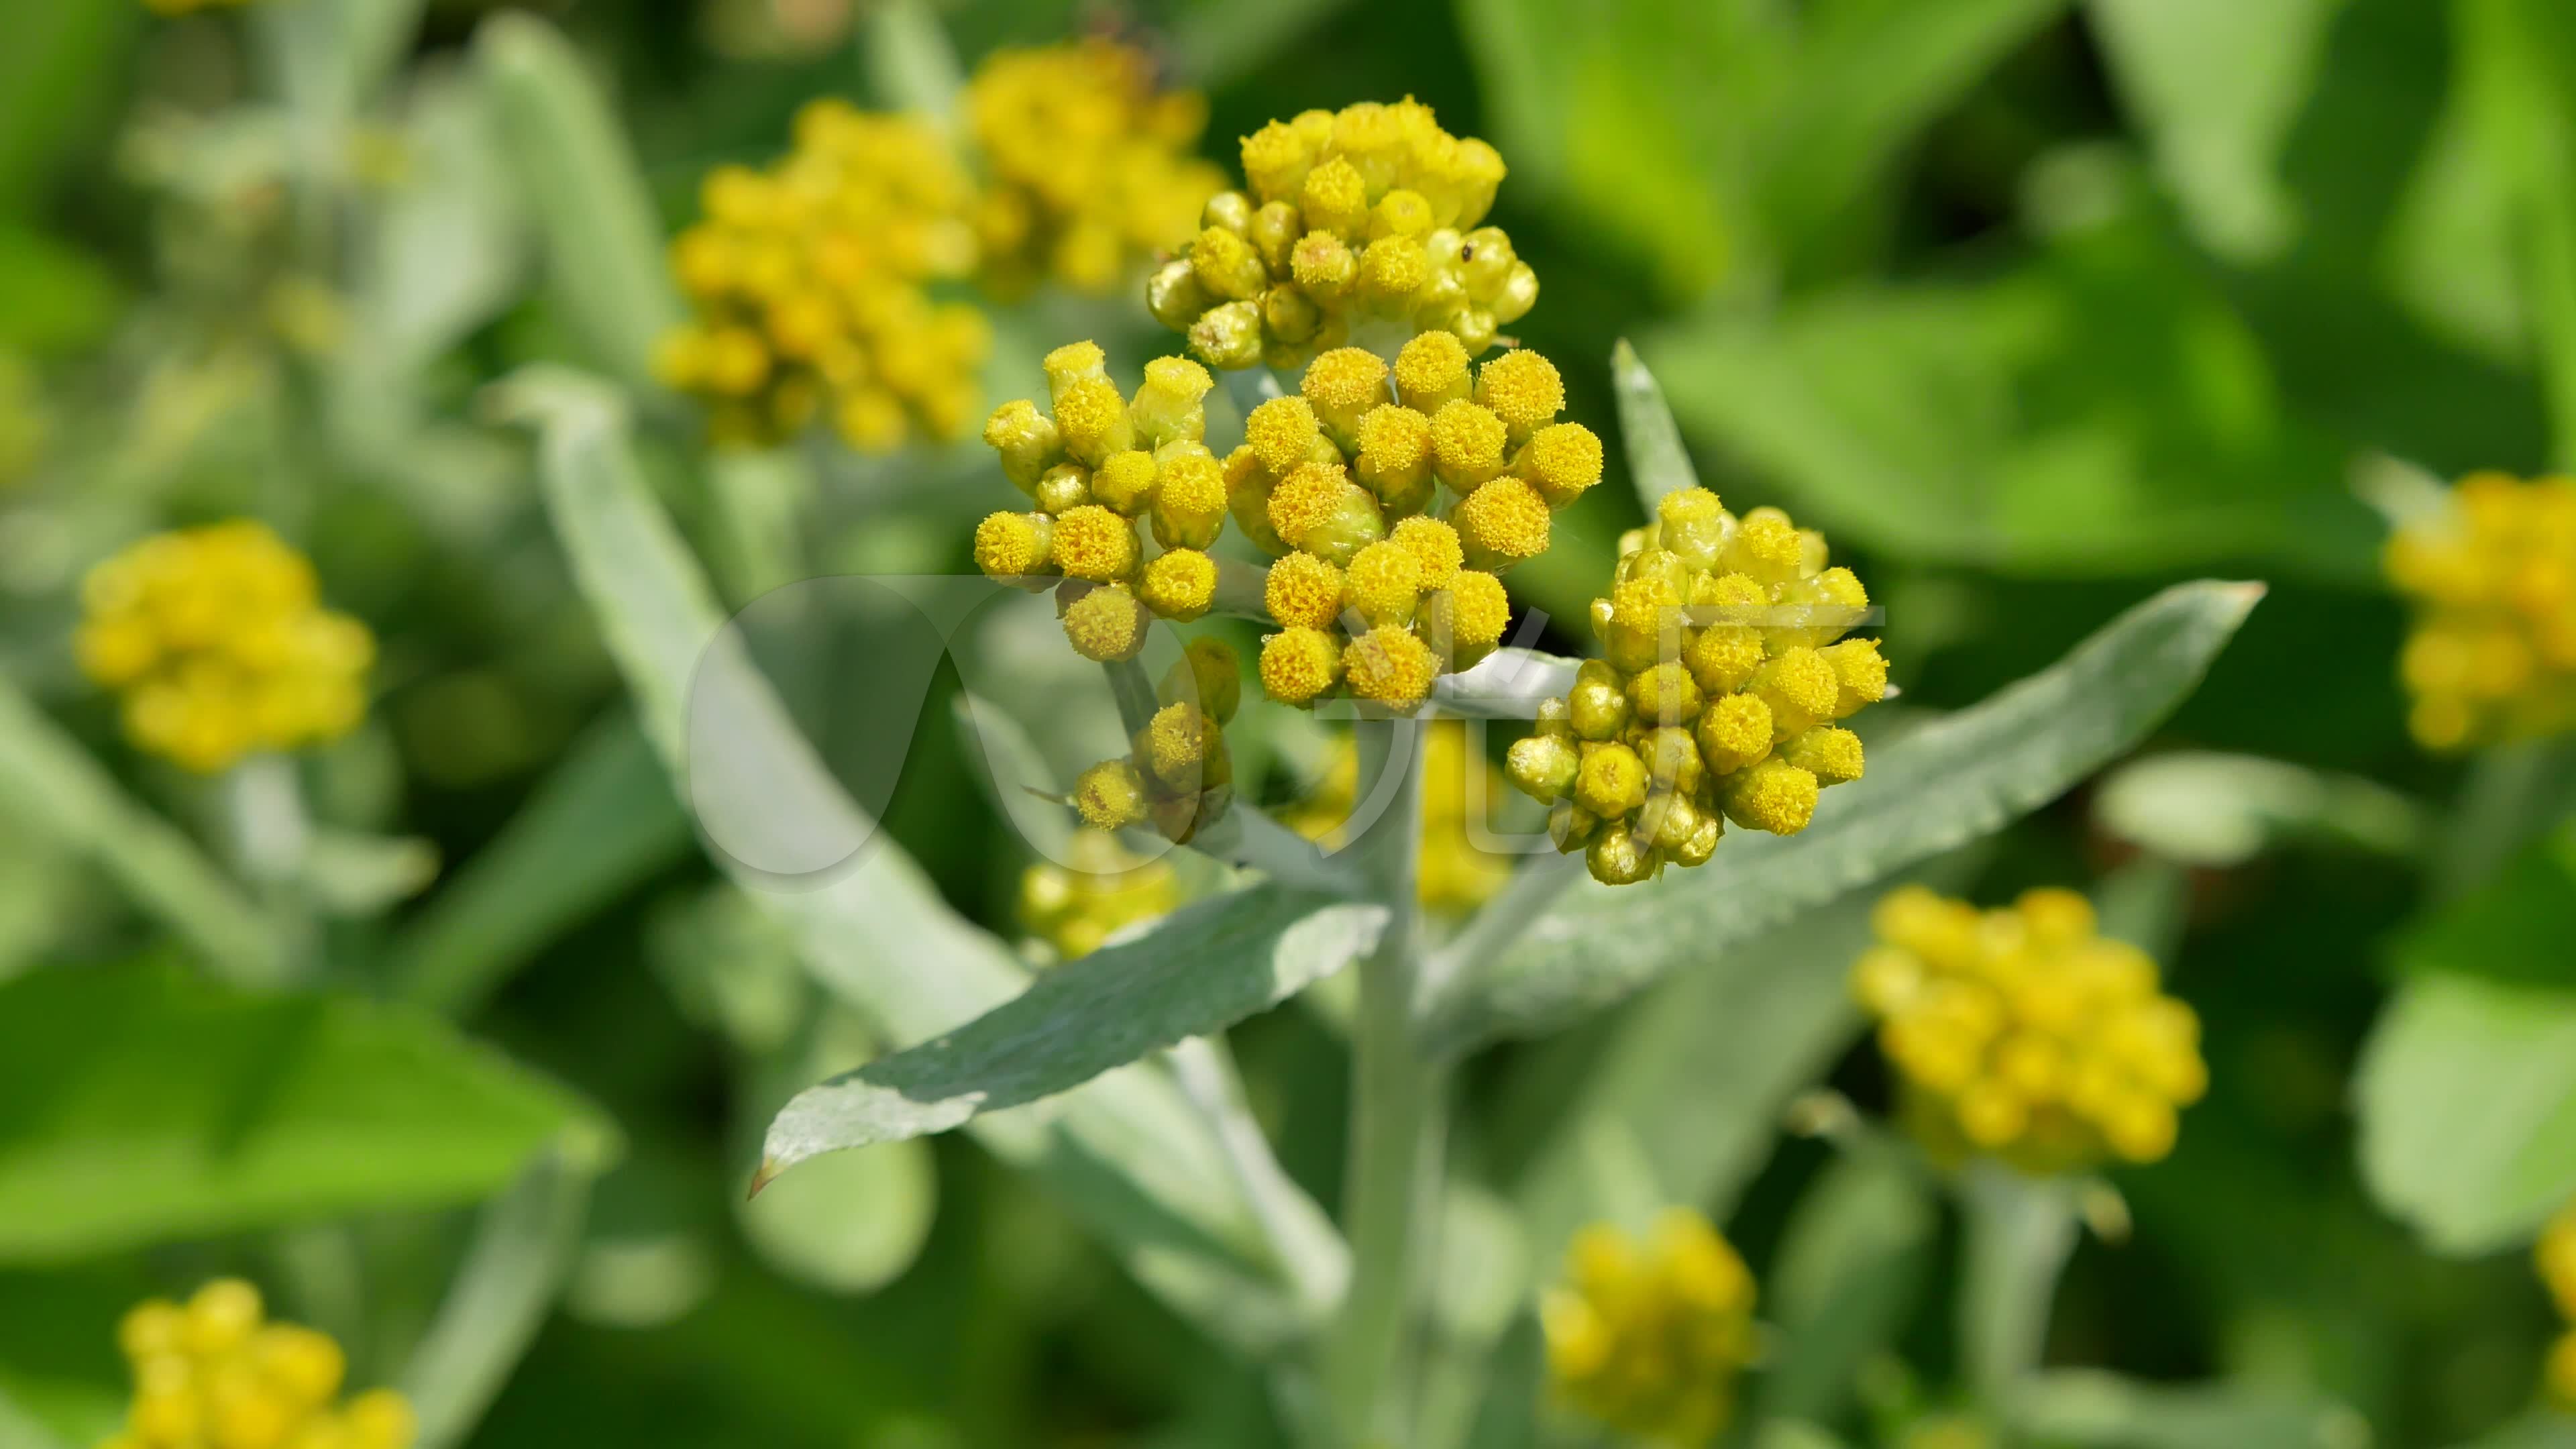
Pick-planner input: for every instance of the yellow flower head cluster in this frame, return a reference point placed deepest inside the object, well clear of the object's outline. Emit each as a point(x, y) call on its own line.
point(2022, 1033)
point(2556, 1257)
point(1451, 875)
point(1354, 222)
point(1176, 773)
point(1394, 496)
point(1648, 1337)
point(1107, 888)
point(220, 645)
point(211, 1374)
point(1090, 164)
point(1717, 696)
point(2493, 579)
point(1097, 467)
point(809, 281)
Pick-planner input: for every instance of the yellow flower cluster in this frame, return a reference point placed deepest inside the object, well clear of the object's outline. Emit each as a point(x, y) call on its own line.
point(1451, 875)
point(2022, 1033)
point(1107, 888)
point(217, 638)
point(2556, 1257)
point(1176, 773)
point(1717, 697)
point(1377, 592)
point(211, 1374)
point(1649, 1338)
point(1357, 222)
point(2493, 579)
point(809, 280)
point(1097, 467)
point(1090, 165)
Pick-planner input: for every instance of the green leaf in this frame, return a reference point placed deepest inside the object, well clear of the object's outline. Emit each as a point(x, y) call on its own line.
point(20, 1429)
point(1127, 1151)
point(144, 1105)
point(2101, 410)
point(1651, 440)
point(2016, 1235)
point(2516, 927)
point(2090, 1408)
point(2216, 86)
point(600, 825)
point(521, 1254)
point(1849, 1271)
point(2467, 1097)
point(2518, 62)
point(51, 785)
point(50, 83)
point(1940, 786)
point(2224, 810)
point(1203, 968)
point(52, 297)
point(2544, 1430)
point(578, 178)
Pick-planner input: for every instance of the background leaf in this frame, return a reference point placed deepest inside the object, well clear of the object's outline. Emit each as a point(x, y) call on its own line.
point(139, 1105)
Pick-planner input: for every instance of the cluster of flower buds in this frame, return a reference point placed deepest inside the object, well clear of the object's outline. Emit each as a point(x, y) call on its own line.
point(1176, 774)
point(1347, 480)
point(2556, 1258)
point(1090, 165)
point(1649, 1338)
point(1103, 890)
point(218, 640)
point(212, 1372)
point(1717, 698)
point(2493, 578)
point(809, 280)
point(1366, 216)
point(2023, 1034)
point(1452, 874)
point(1099, 467)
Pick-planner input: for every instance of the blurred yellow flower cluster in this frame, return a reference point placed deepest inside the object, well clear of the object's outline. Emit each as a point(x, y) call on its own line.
point(810, 281)
point(1176, 774)
point(1451, 875)
point(218, 640)
point(1107, 888)
point(2556, 1257)
point(1717, 698)
point(1098, 466)
point(1376, 592)
point(211, 1374)
point(2022, 1033)
point(1355, 222)
point(2493, 580)
point(1649, 1337)
point(1089, 165)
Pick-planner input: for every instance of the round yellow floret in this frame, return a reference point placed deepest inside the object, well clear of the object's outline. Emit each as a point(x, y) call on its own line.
point(1179, 585)
point(1090, 542)
point(1178, 743)
point(1306, 500)
point(1344, 383)
point(1092, 419)
point(1523, 389)
point(1563, 459)
point(1011, 545)
point(1389, 666)
point(1298, 664)
point(1799, 683)
point(1124, 481)
point(1479, 609)
point(1467, 443)
point(1282, 433)
point(1110, 795)
point(1830, 754)
point(1304, 591)
point(1502, 523)
point(1384, 582)
point(1774, 796)
point(1107, 624)
point(1431, 370)
point(1189, 498)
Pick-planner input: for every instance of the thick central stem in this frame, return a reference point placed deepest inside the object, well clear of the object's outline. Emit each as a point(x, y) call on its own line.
point(1392, 1189)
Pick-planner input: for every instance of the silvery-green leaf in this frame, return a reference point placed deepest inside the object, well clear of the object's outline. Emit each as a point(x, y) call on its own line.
point(2223, 810)
point(1127, 1151)
point(1949, 782)
point(520, 1255)
point(2098, 1410)
point(2467, 1097)
point(1506, 684)
point(1850, 1268)
point(1657, 462)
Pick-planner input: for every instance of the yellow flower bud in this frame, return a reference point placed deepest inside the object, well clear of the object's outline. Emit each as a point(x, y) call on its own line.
point(1298, 664)
point(1106, 623)
point(1179, 585)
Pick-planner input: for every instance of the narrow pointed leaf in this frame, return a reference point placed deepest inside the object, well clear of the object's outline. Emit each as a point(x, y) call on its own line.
point(1940, 786)
point(1652, 441)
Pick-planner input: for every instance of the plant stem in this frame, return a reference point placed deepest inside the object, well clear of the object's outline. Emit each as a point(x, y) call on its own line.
point(1394, 1170)
point(2020, 1232)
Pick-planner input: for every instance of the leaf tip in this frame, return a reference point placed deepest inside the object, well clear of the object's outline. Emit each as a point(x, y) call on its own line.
point(770, 1167)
